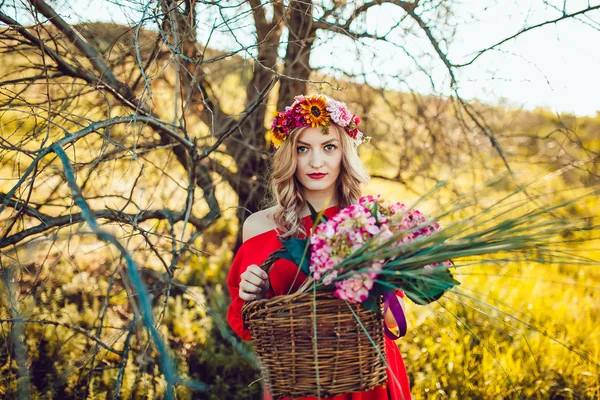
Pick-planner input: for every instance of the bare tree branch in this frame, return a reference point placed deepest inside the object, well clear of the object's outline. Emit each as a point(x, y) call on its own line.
point(524, 30)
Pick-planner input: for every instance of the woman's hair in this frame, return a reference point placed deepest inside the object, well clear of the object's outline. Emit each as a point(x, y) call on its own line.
point(286, 194)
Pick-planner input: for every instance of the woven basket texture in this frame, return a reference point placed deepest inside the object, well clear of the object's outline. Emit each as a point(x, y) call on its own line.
point(342, 359)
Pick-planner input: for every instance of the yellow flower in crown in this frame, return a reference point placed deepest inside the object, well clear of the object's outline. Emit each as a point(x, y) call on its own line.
point(277, 133)
point(314, 111)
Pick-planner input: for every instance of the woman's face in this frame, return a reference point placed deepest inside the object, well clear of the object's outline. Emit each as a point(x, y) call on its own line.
point(319, 158)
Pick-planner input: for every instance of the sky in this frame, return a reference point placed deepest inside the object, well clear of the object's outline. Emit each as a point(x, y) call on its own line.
point(555, 66)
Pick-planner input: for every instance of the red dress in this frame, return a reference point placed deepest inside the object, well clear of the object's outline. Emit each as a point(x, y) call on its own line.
point(283, 272)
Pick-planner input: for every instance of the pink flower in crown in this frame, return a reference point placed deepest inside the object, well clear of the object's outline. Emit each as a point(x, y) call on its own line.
point(352, 127)
point(339, 112)
point(298, 118)
point(276, 120)
point(287, 123)
point(299, 99)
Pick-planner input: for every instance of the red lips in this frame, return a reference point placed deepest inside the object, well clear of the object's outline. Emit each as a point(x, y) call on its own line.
point(317, 175)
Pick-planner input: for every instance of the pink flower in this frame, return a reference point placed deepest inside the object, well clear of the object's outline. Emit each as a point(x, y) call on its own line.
point(298, 99)
point(338, 238)
point(339, 113)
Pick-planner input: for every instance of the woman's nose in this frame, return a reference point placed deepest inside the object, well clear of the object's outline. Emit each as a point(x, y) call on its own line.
point(316, 161)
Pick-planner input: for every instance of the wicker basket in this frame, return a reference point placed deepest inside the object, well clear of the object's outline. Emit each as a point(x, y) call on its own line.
point(282, 330)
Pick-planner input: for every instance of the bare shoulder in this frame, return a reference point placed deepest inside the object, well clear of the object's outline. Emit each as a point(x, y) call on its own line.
point(257, 223)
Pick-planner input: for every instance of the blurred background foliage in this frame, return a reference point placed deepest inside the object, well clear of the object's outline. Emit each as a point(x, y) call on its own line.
point(510, 330)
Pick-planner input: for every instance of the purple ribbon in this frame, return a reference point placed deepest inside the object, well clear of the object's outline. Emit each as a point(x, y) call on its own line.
point(391, 302)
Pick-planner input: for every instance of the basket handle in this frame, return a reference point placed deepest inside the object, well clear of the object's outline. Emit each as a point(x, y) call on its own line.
point(267, 264)
point(270, 260)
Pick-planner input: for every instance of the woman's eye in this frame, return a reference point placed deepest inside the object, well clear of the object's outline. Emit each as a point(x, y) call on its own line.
point(328, 147)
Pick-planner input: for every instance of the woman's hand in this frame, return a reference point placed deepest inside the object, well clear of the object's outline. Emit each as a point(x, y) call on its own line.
point(254, 283)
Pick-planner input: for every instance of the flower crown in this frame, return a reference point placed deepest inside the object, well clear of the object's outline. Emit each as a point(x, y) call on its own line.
point(315, 111)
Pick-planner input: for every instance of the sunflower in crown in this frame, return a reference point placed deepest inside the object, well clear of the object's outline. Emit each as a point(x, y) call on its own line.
point(315, 111)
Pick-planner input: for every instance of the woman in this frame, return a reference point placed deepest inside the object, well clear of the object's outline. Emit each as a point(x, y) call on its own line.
point(315, 161)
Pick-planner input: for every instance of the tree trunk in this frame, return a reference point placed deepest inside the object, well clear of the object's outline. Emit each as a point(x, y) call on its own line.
point(302, 36)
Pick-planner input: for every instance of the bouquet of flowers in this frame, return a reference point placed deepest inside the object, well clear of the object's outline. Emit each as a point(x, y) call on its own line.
point(372, 221)
point(334, 254)
point(374, 247)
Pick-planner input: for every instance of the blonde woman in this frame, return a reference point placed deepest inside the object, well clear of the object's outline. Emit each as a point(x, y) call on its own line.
point(315, 161)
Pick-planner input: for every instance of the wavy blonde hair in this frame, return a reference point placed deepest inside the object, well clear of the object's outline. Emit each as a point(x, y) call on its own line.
point(286, 194)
